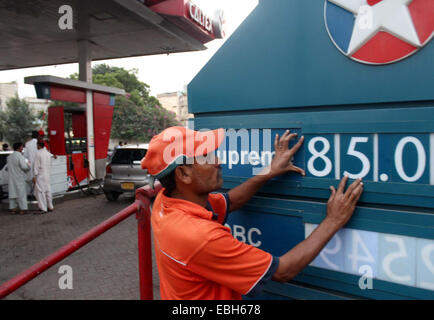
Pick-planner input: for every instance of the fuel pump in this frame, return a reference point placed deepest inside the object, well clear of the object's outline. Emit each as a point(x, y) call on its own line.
point(79, 127)
point(67, 132)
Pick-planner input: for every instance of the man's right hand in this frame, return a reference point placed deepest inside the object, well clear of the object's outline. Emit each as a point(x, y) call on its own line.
point(341, 205)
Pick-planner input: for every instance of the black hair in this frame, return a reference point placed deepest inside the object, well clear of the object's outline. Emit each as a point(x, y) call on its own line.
point(35, 134)
point(17, 145)
point(41, 144)
point(169, 182)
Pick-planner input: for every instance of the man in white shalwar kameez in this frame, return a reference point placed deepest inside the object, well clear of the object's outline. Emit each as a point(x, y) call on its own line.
point(41, 178)
point(17, 175)
point(30, 149)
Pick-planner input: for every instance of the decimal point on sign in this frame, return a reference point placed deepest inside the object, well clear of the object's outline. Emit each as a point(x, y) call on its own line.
point(384, 177)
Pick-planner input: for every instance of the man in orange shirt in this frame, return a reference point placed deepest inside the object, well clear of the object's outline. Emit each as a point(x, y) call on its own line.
point(197, 257)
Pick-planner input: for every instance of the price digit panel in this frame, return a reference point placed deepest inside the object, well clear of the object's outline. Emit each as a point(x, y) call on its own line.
point(394, 258)
point(399, 158)
point(397, 168)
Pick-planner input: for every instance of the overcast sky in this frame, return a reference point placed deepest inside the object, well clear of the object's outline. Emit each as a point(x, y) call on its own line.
point(164, 73)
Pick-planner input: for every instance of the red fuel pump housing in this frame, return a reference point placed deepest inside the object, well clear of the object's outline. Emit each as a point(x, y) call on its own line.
point(85, 148)
point(69, 141)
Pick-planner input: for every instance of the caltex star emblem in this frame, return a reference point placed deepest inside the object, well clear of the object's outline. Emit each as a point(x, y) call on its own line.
point(379, 31)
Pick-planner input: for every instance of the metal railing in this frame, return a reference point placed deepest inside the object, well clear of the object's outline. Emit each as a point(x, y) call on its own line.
point(141, 207)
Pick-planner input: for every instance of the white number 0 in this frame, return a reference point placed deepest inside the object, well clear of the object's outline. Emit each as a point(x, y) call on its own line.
point(421, 162)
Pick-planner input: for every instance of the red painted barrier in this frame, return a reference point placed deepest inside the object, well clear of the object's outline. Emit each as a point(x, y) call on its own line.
point(143, 195)
point(143, 212)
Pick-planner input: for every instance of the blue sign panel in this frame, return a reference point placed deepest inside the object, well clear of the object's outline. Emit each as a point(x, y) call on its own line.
point(398, 259)
point(270, 232)
point(361, 251)
point(320, 152)
point(425, 264)
point(405, 158)
point(395, 162)
point(401, 158)
point(369, 122)
point(332, 256)
point(393, 258)
point(246, 153)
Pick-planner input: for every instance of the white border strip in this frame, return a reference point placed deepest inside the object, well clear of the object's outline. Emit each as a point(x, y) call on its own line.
point(376, 158)
point(431, 166)
point(337, 142)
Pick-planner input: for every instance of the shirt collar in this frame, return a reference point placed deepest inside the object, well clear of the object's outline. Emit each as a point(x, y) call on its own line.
point(188, 207)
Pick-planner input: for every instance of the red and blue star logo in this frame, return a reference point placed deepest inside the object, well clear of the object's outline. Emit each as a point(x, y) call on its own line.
point(379, 31)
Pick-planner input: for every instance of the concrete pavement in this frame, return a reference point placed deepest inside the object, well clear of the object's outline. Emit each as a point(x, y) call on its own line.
point(106, 268)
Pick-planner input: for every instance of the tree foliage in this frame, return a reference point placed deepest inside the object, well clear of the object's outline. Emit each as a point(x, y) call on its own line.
point(17, 121)
point(137, 116)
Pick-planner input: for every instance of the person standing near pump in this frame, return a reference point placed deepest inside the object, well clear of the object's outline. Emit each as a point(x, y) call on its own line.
point(17, 175)
point(30, 147)
point(30, 150)
point(41, 179)
point(197, 257)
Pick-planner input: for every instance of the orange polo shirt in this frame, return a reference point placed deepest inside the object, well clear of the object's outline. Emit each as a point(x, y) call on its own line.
point(197, 257)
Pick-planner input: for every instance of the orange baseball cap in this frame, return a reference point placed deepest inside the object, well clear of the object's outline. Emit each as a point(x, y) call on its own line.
point(174, 145)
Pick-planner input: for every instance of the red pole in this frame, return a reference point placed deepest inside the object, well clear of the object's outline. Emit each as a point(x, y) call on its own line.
point(27, 275)
point(143, 196)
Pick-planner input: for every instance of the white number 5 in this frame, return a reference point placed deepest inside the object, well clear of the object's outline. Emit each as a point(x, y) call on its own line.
point(366, 166)
point(387, 261)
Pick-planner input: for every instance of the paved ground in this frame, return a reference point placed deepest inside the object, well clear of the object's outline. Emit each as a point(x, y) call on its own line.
point(106, 268)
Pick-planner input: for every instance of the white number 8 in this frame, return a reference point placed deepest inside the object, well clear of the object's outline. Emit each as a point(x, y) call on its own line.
point(319, 154)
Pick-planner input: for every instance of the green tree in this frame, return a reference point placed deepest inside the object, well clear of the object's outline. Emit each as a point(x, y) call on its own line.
point(17, 121)
point(137, 115)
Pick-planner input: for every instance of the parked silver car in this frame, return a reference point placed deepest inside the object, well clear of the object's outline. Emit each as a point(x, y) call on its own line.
point(123, 172)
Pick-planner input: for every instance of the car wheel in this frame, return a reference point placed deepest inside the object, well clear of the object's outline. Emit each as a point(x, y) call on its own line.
point(112, 195)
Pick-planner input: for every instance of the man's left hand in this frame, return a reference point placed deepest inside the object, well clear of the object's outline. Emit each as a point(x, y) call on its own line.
point(282, 161)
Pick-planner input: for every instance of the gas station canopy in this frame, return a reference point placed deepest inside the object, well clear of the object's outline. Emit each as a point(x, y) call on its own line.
point(30, 33)
point(47, 81)
point(48, 32)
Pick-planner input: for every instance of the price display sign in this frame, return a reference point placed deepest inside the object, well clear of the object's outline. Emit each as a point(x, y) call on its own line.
point(397, 168)
point(393, 258)
point(396, 158)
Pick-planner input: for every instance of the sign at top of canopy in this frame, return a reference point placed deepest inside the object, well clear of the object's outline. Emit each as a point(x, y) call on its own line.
point(191, 18)
point(206, 22)
point(379, 31)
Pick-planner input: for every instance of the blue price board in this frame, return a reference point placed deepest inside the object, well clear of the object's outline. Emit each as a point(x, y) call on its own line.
point(425, 264)
point(374, 157)
point(393, 258)
point(255, 229)
point(320, 152)
point(397, 168)
point(246, 153)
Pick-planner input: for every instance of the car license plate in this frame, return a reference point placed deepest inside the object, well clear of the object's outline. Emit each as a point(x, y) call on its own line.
point(127, 186)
